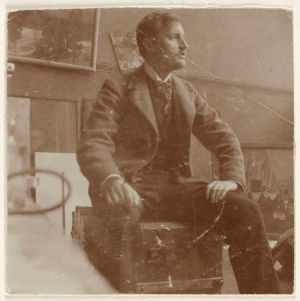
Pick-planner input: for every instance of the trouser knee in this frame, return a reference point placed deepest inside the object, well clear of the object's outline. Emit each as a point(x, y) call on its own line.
point(255, 213)
point(246, 209)
point(243, 221)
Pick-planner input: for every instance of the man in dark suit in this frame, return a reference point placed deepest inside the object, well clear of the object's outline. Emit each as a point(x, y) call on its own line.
point(135, 153)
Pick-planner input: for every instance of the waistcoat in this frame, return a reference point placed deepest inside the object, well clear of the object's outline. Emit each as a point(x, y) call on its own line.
point(166, 159)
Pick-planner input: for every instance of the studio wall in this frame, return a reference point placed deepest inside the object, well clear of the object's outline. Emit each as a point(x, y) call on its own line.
point(249, 46)
point(253, 46)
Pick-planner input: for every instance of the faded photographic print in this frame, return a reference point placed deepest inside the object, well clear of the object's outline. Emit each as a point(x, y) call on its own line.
point(150, 151)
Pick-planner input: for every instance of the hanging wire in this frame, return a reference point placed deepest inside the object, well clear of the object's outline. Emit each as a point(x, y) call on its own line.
point(214, 76)
point(241, 91)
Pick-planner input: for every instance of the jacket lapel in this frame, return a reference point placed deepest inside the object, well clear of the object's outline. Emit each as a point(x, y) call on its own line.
point(183, 102)
point(139, 94)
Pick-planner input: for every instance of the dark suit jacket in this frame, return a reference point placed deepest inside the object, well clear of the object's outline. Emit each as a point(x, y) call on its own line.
point(122, 134)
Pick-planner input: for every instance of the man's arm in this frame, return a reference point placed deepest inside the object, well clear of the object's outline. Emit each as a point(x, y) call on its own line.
point(96, 148)
point(217, 137)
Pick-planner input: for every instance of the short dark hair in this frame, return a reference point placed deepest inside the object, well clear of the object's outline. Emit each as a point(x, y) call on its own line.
point(149, 26)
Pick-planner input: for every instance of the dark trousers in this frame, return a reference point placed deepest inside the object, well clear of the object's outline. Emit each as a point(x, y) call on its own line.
point(238, 218)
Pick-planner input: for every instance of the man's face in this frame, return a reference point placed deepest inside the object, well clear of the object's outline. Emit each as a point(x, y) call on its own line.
point(171, 47)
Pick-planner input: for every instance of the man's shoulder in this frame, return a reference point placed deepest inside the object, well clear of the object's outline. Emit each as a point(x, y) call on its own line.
point(124, 80)
point(186, 84)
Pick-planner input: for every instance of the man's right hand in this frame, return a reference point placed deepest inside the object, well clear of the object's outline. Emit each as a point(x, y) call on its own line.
point(118, 192)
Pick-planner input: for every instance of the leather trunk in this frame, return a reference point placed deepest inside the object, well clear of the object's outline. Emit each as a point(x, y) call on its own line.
point(153, 257)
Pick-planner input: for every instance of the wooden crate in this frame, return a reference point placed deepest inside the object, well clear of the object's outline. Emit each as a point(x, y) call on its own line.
point(154, 260)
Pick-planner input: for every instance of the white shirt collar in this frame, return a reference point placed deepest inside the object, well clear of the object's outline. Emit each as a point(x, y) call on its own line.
point(152, 73)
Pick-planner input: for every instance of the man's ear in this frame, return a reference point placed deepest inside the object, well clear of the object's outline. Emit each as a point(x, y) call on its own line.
point(150, 45)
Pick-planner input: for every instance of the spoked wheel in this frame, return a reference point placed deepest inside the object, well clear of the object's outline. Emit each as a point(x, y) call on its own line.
point(283, 256)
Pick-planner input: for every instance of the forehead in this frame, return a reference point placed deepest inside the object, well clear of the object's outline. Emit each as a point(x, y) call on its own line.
point(171, 27)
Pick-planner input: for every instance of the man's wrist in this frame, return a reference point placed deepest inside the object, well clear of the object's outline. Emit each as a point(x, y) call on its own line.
point(109, 179)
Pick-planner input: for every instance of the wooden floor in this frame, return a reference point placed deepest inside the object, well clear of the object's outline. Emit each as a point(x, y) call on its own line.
point(229, 286)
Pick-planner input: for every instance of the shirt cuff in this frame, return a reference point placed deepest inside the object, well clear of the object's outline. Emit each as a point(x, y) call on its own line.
point(240, 185)
point(114, 175)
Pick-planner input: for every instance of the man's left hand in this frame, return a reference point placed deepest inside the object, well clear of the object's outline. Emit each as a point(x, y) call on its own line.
point(217, 190)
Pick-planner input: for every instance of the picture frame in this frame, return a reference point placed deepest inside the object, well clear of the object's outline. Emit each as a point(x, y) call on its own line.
point(52, 37)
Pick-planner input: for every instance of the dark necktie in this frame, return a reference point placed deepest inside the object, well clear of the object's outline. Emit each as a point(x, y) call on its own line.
point(163, 98)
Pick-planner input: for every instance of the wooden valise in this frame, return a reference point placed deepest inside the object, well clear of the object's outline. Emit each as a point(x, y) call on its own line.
point(153, 257)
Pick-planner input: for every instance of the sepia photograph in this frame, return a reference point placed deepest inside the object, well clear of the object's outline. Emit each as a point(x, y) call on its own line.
point(150, 150)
